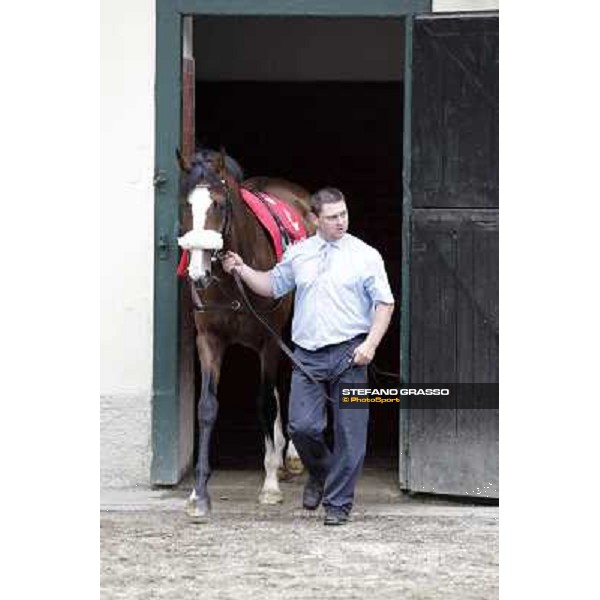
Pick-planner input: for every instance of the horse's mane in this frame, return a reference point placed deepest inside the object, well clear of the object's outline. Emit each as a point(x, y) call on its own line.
point(201, 164)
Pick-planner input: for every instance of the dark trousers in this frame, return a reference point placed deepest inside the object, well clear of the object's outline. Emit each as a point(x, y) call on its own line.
point(340, 467)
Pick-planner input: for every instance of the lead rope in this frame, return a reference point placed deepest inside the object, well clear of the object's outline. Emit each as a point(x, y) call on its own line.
point(375, 371)
point(288, 352)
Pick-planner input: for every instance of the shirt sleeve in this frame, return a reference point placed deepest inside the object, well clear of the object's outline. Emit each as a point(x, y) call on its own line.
point(376, 284)
point(282, 276)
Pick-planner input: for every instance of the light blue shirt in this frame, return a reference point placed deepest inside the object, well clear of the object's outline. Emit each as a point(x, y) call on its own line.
point(338, 284)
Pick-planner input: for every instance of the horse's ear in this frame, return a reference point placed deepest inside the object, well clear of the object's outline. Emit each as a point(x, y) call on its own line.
point(184, 164)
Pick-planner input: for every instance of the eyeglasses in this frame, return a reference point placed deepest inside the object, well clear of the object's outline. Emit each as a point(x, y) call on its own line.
point(333, 218)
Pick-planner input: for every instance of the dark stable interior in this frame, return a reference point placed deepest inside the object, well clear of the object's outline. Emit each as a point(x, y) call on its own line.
point(316, 134)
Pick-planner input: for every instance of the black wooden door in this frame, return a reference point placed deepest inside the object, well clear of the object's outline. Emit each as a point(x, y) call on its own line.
point(453, 251)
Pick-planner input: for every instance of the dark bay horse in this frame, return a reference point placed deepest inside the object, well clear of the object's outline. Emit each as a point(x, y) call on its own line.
point(216, 219)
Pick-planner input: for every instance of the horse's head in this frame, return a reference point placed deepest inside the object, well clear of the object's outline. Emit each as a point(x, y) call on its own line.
point(208, 182)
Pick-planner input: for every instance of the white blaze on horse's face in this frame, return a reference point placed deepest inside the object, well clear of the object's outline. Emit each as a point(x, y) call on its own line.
point(200, 201)
point(200, 241)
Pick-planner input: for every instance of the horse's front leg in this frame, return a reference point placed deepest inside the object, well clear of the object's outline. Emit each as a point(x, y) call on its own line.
point(199, 504)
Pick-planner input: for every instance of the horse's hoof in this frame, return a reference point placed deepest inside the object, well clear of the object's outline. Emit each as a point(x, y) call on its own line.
point(198, 510)
point(270, 497)
point(294, 465)
point(283, 474)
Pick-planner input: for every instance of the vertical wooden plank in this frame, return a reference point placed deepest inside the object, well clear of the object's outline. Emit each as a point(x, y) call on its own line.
point(404, 412)
point(187, 330)
point(165, 467)
point(188, 108)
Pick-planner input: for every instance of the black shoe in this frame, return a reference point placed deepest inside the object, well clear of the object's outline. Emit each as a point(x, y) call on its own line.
point(313, 494)
point(335, 516)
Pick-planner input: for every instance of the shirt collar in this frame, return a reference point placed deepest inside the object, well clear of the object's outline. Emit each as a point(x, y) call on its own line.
point(323, 242)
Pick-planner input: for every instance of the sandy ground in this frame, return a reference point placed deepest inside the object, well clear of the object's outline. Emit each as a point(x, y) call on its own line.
point(396, 546)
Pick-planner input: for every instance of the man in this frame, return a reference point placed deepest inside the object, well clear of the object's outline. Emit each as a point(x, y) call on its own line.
point(343, 307)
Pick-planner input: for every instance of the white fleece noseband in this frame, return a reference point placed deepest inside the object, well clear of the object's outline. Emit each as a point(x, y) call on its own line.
point(199, 240)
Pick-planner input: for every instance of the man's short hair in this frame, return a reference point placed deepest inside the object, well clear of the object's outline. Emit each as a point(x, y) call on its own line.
point(328, 195)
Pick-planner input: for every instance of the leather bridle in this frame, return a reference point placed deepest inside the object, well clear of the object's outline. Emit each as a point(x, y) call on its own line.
point(231, 304)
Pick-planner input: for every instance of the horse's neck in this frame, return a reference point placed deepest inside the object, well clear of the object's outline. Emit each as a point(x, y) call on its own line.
point(240, 224)
point(245, 233)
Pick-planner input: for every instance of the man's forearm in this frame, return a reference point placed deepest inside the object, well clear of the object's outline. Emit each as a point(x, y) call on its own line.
point(260, 282)
point(381, 321)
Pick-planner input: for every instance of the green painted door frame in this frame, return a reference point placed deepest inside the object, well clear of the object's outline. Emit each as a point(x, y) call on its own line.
point(167, 463)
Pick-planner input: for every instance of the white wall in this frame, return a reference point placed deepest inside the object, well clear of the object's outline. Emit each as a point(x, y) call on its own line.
point(127, 221)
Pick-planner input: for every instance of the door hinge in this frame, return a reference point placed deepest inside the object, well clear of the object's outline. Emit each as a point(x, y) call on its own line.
point(163, 246)
point(160, 178)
